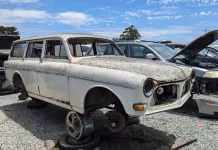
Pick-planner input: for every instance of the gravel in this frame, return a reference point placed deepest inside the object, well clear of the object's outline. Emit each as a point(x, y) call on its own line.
point(22, 128)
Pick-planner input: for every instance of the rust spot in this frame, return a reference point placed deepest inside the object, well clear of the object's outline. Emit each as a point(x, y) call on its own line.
point(61, 101)
point(68, 103)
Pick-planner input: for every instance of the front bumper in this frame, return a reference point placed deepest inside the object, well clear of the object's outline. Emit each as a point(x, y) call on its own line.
point(207, 106)
point(181, 98)
point(178, 103)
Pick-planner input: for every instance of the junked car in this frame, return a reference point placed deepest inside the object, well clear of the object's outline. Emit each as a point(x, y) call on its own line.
point(53, 68)
point(196, 55)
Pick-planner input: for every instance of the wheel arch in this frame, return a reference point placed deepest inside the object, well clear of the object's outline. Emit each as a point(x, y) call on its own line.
point(17, 76)
point(100, 87)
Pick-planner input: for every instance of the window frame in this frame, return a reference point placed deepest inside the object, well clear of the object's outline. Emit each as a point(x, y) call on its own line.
point(53, 58)
point(74, 55)
point(32, 41)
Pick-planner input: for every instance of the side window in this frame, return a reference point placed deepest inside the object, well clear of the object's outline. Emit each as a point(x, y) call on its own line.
point(18, 50)
point(138, 51)
point(55, 49)
point(84, 47)
point(34, 49)
point(124, 48)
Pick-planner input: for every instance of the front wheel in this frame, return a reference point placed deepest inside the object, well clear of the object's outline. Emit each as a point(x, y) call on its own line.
point(115, 121)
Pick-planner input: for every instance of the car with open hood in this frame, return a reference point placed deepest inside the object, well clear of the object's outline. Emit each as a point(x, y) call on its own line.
point(54, 69)
point(198, 55)
point(203, 60)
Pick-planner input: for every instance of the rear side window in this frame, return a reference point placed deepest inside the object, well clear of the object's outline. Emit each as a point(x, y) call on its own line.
point(18, 50)
point(34, 49)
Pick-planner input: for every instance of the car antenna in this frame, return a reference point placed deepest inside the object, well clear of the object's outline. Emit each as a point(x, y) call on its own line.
point(206, 30)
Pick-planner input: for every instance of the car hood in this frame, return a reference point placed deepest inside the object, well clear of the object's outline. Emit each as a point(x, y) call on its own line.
point(160, 71)
point(198, 44)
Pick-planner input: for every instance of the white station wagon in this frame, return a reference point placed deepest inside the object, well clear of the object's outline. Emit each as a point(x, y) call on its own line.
point(52, 68)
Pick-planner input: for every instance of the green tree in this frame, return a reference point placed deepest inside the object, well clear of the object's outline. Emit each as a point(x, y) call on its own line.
point(130, 33)
point(8, 30)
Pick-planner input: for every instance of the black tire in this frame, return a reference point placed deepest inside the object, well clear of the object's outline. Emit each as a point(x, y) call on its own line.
point(64, 145)
point(36, 104)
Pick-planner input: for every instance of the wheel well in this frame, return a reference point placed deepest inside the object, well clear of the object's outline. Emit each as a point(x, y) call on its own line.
point(17, 80)
point(100, 97)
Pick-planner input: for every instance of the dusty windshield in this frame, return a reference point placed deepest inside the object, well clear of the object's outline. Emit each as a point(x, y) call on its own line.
point(92, 46)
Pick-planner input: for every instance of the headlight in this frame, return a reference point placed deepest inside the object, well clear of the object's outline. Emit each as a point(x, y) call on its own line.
point(148, 88)
point(211, 74)
point(193, 76)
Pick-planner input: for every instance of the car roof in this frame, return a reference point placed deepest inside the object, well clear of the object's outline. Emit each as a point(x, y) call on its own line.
point(62, 36)
point(140, 43)
point(176, 44)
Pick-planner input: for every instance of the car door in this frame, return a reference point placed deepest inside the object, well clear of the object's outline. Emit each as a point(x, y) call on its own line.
point(52, 71)
point(29, 65)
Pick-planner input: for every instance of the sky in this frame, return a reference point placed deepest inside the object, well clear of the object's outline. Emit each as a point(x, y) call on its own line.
point(178, 20)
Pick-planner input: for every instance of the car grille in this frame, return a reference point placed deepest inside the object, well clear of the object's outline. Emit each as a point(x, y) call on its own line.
point(165, 94)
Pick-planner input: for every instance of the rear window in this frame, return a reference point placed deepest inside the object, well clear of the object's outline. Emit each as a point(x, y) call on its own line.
point(18, 49)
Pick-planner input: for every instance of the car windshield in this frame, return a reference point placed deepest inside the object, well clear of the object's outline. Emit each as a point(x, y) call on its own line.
point(164, 51)
point(101, 47)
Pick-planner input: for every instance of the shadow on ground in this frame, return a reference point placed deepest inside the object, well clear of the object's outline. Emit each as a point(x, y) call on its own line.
point(49, 123)
point(190, 108)
point(138, 137)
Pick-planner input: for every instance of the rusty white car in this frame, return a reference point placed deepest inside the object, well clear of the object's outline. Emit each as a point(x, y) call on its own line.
point(54, 69)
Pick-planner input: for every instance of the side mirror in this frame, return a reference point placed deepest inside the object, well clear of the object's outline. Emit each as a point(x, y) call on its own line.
point(151, 56)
